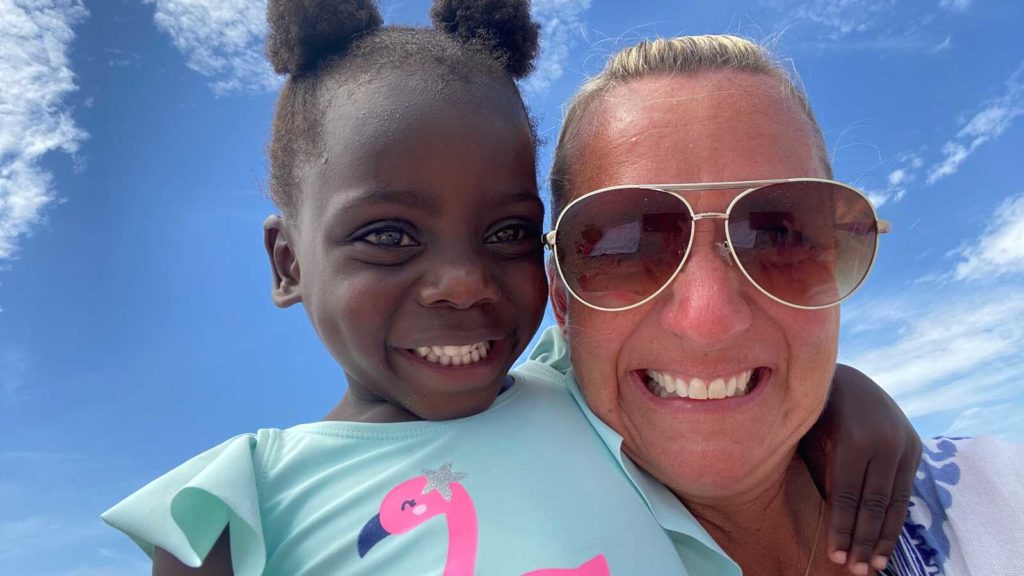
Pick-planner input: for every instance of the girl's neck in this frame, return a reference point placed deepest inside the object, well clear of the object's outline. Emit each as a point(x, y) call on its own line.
point(356, 408)
point(360, 406)
point(771, 529)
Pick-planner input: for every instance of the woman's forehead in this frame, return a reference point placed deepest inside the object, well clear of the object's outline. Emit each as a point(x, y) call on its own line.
point(702, 128)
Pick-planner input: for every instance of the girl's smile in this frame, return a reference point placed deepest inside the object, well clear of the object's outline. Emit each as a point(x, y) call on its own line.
point(415, 245)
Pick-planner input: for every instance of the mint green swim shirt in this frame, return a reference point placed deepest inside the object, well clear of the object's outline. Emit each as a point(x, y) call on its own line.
point(526, 486)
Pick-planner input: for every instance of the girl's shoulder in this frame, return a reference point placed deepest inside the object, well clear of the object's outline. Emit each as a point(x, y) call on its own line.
point(185, 510)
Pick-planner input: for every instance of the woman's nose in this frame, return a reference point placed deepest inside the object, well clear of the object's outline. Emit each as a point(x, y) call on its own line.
point(705, 305)
point(460, 282)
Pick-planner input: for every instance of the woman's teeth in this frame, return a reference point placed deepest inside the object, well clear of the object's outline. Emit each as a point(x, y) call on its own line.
point(668, 386)
point(454, 355)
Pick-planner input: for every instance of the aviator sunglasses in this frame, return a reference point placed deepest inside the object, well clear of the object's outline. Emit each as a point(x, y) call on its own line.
point(808, 243)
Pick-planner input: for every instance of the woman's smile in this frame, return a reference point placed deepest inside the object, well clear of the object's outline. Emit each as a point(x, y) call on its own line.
point(672, 385)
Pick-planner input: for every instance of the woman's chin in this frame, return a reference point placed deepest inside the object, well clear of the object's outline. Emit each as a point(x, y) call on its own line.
point(719, 470)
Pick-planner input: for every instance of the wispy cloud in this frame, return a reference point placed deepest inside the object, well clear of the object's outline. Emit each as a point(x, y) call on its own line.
point(220, 39)
point(561, 24)
point(1000, 250)
point(934, 364)
point(1005, 420)
point(834, 18)
point(995, 117)
point(898, 181)
point(34, 115)
point(959, 344)
point(30, 536)
point(14, 365)
point(955, 5)
point(867, 25)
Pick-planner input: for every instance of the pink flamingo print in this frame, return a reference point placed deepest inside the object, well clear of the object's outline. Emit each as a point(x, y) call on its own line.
point(439, 493)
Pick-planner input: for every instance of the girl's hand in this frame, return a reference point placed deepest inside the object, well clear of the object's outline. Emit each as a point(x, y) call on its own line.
point(863, 455)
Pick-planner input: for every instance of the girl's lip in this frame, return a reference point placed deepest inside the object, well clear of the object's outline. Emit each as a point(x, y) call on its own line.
point(498, 349)
point(454, 338)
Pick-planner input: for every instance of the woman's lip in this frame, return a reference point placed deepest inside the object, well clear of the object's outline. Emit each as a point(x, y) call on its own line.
point(722, 404)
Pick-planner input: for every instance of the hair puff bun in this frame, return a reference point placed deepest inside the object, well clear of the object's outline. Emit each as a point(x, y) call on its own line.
point(305, 32)
point(502, 27)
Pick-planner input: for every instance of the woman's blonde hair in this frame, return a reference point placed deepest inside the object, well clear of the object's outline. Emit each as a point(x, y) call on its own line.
point(684, 55)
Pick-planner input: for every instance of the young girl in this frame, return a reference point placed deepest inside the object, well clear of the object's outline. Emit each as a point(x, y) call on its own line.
point(402, 161)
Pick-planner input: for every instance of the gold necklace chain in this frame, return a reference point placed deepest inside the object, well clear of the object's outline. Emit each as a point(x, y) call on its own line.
point(817, 533)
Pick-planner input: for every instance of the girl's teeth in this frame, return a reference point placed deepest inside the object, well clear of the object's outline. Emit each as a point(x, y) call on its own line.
point(668, 386)
point(454, 355)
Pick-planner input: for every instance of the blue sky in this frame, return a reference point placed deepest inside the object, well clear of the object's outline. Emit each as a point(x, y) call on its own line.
point(136, 325)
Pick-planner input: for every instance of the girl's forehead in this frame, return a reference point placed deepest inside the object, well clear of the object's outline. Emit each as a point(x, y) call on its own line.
point(387, 107)
point(400, 139)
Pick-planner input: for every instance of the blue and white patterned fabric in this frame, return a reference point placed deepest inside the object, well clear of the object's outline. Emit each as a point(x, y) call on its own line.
point(967, 512)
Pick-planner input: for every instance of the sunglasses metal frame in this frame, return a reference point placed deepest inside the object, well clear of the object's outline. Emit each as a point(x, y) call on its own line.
point(748, 186)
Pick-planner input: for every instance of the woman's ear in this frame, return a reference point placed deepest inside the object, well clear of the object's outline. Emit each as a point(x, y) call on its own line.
point(283, 263)
point(559, 296)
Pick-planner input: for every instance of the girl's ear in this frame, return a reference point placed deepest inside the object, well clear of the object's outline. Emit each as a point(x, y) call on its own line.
point(283, 263)
point(559, 296)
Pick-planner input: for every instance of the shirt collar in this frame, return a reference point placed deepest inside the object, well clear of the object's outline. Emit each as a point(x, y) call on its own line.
point(698, 551)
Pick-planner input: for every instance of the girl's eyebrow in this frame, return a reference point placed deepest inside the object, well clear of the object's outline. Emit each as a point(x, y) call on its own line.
point(423, 202)
point(368, 198)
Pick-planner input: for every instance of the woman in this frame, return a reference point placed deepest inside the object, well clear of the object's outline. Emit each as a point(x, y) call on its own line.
point(703, 333)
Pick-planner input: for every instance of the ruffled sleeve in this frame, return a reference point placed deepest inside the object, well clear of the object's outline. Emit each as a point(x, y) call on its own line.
point(186, 510)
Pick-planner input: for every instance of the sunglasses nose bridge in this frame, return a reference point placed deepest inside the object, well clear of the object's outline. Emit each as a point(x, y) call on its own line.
point(722, 247)
point(710, 216)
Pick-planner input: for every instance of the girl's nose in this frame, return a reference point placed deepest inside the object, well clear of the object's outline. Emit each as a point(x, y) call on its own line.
point(458, 283)
point(706, 305)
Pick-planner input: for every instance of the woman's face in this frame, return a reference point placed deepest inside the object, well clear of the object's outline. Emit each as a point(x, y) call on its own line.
point(711, 322)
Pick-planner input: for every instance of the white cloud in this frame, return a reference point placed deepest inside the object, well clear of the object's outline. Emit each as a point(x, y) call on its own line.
point(991, 122)
point(561, 22)
point(1000, 250)
point(835, 18)
point(959, 349)
point(1003, 420)
point(897, 177)
point(34, 116)
point(897, 182)
point(221, 39)
point(14, 365)
point(955, 5)
point(946, 44)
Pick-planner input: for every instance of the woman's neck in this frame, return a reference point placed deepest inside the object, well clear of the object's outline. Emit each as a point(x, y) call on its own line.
point(769, 529)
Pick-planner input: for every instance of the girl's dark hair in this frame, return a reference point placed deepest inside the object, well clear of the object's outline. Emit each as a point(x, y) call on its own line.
point(323, 44)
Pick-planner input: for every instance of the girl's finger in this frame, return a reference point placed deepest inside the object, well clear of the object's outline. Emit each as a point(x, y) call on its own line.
point(899, 503)
point(871, 515)
point(843, 503)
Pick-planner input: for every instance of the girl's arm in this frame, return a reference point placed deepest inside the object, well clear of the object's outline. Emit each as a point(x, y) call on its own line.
point(217, 562)
point(863, 454)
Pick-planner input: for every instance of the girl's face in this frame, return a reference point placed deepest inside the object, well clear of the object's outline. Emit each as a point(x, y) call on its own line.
point(415, 247)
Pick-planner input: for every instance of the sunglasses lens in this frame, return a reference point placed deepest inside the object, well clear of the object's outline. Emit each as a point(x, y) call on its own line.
point(806, 243)
point(617, 248)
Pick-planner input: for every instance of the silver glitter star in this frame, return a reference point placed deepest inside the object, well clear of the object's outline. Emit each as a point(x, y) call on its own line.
point(441, 480)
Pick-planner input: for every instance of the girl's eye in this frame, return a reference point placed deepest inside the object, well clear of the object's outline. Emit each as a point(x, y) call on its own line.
point(389, 237)
point(510, 233)
point(514, 239)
